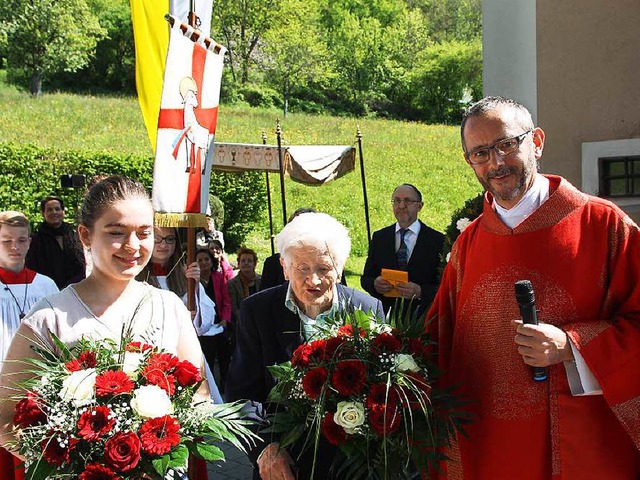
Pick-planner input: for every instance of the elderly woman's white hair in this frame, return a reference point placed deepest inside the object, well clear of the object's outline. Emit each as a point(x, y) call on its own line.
point(319, 231)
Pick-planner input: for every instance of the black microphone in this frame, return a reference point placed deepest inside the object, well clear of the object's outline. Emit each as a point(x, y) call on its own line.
point(527, 304)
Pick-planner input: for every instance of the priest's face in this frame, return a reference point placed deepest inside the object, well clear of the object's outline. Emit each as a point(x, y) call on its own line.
point(506, 177)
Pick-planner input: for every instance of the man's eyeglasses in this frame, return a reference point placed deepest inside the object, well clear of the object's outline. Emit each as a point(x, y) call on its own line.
point(406, 201)
point(504, 147)
point(169, 239)
point(306, 271)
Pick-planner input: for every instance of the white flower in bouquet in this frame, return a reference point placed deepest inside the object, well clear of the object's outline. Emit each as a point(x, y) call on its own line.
point(405, 363)
point(349, 415)
point(131, 363)
point(151, 401)
point(462, 224)
point(378, 327)
point(79, 387)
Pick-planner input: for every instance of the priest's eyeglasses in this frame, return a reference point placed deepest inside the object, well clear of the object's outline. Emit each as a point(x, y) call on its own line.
point(169, 239)
point(504, 147)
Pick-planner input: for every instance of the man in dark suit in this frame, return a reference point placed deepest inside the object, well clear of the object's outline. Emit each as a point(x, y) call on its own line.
point(408, 245)
point(274, 322)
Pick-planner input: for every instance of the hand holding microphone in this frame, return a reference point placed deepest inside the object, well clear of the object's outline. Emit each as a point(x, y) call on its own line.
point(540, 345)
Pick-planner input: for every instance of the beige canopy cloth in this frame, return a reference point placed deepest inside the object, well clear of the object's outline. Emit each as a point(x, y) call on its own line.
point(308, 164)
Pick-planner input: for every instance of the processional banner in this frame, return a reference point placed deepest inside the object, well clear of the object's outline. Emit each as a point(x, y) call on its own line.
point(186, 127)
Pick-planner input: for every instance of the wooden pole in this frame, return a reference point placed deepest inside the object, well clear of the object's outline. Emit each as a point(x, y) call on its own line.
point(281, 164)
point(191, 232)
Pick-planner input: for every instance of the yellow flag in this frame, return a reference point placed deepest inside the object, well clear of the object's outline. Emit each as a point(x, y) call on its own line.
point(151, 36)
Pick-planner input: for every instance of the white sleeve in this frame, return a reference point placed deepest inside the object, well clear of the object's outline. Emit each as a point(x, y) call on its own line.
point(581, 379)
point(205, 311)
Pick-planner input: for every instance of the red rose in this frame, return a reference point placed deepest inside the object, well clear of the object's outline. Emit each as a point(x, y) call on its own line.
point(95, 423)
point(122, 451)
point(156, 376)
point(349, 377)
point(162, 361)
point(384, 421)
point(113, 383)
point(385, 343)
point(85, 360)
point(333, 432)
point(379, 397)
point(95, 471)
point(313, 381)
point(187, 373)
point(138, 347)
point(28, 412)
point(55, 453)
point(159, 435)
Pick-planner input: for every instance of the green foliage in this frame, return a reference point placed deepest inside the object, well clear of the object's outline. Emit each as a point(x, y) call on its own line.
point(259, 96)
point(47, 37)
point(31, 173)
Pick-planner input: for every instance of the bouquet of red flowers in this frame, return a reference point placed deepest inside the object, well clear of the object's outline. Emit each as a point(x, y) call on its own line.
point(105, 410)
point(368, 389)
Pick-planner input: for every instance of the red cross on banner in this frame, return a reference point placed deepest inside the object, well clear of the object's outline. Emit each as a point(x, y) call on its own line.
point(186, 125)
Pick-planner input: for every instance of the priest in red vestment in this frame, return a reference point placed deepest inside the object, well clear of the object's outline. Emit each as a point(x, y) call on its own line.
point(582, 256)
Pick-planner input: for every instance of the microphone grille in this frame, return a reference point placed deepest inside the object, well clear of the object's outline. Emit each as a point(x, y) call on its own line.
point(524, 291)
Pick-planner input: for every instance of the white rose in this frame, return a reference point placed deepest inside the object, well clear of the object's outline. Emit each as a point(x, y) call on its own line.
point(349, 416)
point(405, 363)
point(131, 363)
point(79, 387)
point(462, 224)
point(150, 401)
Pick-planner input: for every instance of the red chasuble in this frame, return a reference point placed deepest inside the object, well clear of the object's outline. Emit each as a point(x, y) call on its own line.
point(582, 255)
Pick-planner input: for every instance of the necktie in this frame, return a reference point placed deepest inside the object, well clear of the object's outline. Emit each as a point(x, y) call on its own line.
point(402, 254)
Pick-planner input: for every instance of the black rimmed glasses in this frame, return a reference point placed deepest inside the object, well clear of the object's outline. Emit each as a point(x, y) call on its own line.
point(169, 239)
point(406, 201)
point(504, 147)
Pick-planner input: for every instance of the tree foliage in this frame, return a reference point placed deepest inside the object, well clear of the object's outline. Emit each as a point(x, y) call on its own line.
point(47, 37)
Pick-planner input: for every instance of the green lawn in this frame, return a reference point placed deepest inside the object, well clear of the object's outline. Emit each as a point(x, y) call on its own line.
point(394, 152)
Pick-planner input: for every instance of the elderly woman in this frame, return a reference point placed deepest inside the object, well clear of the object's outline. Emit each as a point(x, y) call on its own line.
point(273, 323)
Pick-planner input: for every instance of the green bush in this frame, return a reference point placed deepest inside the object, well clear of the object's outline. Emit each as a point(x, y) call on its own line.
point(31, 173)
point(260, 96)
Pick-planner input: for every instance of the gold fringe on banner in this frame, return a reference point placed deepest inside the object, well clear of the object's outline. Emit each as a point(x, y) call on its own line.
point(180, 220)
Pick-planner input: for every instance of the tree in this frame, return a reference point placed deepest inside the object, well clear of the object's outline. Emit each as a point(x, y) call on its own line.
point(241, 24)
point(47, 36)
point(294, 54)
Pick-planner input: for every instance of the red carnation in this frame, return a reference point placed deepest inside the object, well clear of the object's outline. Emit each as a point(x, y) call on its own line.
point(95, 423)
point(85, 360)
point(300, 357)
point(385, 343)
point(138, 347)
point(159, 435)
point(156, 376)
point(347, 331)
point(162, 361)
point(349, 377)
point(28, 412)
point(95, 471)
point(384, 421)
point(187, 373)
point(313, 381)
point(54, 453)
point(122, 451)
point(113, 383)
point(333, 432)
point(379, 397)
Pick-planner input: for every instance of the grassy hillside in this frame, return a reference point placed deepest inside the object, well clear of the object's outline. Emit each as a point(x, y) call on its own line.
point(394, 152)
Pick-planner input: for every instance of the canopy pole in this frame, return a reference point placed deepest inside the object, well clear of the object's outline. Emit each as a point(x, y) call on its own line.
point(281, 163)
point(266, 176)
point(364, 184)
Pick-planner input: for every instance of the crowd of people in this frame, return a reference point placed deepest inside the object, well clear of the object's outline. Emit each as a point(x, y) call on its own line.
point(581, 253)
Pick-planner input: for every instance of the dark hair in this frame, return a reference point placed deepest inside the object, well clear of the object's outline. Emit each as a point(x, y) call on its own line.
point(217, 242)
point(489, 104)
point(214, 261)
point(104, 192)
point(300, 211)
point(48, 199)
point(176, 280)
point(412, 187)
point(248, 251)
